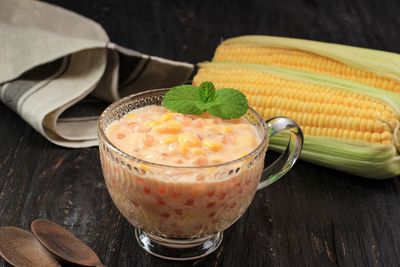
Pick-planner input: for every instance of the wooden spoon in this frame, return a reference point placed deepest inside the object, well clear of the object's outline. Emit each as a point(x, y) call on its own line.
point(20, 248)
point(63, 243)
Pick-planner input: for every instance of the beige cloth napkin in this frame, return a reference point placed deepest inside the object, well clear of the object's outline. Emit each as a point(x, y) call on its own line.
point(55, 65)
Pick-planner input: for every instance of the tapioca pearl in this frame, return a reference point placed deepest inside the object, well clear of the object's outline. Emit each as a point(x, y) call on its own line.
point(176, 194)
point(142, 129)
point(217, 120)
point(210, 205)
point(120, 135)
point(147, 190)
point(200, 161)
point(221, 196)
point(161, 188)
point(178, 211)
point(164, 215)
point(132, 125)
point(211, 214)
point(178, 161)
point(139, 180)
point(198, 123)
point(160, 201)
point(189, 202)
point(187, 122)
point(211, 193)
point(148, 141)
point(200, 178)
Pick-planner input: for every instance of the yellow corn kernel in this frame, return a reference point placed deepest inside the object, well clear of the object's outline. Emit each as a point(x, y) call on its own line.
point(212, 145)
point(184, 149)
point(152, 123)
point(170, 127)
point(131, 116)
point(169, 139)
point(376, 138)
point(198, 151)
point(226, 129)
point(216, 161)
point(166, 117)
point(242, 154)
point(143, 167)
point(189, 139)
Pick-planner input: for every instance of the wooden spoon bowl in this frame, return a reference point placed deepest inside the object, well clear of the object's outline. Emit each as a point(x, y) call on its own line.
point(63, 243)
point(21, 248)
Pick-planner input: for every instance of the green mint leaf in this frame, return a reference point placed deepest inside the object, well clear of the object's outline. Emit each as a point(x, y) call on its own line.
point(207, 92)
point(231, 104)
point(205, 106)
point(225, 103)
point(183, 99)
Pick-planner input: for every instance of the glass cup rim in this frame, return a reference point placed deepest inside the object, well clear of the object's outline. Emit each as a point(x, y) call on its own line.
point(115, 104)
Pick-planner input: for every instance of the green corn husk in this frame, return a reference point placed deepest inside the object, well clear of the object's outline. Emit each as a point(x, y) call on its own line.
point(382, 63)
point(377, 161)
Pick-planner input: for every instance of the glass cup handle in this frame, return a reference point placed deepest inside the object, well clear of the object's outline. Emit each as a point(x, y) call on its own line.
point(287, 159)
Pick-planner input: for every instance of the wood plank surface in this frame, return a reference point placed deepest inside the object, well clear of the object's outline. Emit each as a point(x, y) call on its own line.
point(312, 217)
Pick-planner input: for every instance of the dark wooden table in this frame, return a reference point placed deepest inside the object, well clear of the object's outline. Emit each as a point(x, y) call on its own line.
point(312, 217)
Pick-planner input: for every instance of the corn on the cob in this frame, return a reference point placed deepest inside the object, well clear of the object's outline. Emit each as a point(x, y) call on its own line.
point(348, 126)
point(371, 67)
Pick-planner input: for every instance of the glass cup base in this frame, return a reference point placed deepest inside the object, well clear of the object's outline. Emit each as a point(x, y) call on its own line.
point(178, 249)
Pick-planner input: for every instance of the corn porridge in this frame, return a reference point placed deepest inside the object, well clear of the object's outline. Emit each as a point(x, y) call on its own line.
point(195, 196)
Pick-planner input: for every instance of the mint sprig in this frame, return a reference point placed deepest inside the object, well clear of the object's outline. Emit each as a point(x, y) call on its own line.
point(207, 92)
point(226, 103)
point(230, 104)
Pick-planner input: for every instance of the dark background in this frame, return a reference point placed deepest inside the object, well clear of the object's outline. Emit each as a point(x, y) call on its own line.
point(312, 217)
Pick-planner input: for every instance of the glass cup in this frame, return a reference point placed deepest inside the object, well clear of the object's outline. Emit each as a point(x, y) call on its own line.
point(180, 212)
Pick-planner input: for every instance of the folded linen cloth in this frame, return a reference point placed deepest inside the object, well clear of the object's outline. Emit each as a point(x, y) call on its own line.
point(56, 65)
